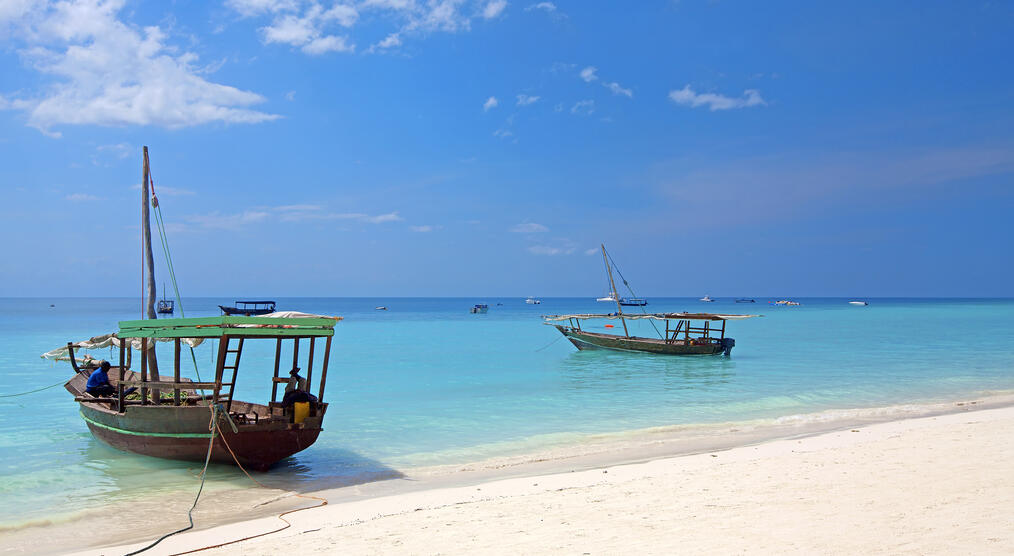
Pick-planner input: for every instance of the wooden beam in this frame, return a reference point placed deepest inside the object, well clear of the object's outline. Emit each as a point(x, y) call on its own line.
point(323, 370)
point(144, 375)
point(278, 356)
point(309, 365)
point(176, 371)
point(119, 384)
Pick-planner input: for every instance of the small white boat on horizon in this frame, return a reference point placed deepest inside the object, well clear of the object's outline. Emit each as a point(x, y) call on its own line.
point(860, 303)
point(533, 301)
point(707, 299)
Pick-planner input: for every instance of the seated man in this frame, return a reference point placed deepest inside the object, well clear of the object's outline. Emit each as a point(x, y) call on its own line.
point(295, 390)
point(98, 382)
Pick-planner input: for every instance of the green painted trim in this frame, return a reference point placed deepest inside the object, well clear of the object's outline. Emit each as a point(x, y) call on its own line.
point(156, 434)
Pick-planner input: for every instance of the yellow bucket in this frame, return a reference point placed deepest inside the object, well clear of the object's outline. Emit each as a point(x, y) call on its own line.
point(300, 410)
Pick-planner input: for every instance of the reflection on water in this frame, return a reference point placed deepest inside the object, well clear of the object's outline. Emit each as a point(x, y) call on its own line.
point(618, 371)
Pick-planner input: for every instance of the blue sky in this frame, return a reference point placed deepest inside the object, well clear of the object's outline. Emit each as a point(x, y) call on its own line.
point(415, 147)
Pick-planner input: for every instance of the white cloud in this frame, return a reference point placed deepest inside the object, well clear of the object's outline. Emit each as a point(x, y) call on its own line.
point(618, 90)
point(494, 8)
point(549, 250)
point(119, 150)
point(583, 107)
point(249, 8)
point(503, 133)
point(305, 23)
point(491, 102)
point(330, 43)
point(424, 228)
point(588, 74)
point(307, 30)
point(592, 251)
point(217, 220)
point(687, 97)
point(529, 228)
point(525, 100)
point(389, 41)
point(79, 197)
point(290, 96)
point(106, 72)
point(547, 7)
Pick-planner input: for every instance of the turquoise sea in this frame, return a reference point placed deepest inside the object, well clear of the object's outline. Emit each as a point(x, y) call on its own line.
point(426, 383)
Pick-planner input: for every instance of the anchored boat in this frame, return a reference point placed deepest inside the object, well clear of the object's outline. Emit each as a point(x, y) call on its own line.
point(169, 417)
point(173, 417)
point(691, 334)
point(249, 308)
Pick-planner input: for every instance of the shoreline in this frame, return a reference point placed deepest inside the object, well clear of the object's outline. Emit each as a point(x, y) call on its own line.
point(592, 453)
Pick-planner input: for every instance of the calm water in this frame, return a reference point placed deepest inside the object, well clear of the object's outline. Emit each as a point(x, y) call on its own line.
point(428, 383)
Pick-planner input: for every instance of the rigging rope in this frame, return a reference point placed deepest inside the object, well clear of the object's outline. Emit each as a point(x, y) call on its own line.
point(164, 238)
point(632, 294)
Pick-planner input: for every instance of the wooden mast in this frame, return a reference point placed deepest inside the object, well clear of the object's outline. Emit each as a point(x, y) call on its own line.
point(149, 265)
point(616, 294)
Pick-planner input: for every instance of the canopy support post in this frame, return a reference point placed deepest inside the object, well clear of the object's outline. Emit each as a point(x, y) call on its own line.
point(323, 370)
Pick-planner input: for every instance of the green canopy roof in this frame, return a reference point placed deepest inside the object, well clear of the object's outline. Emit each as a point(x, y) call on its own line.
point(216, 327)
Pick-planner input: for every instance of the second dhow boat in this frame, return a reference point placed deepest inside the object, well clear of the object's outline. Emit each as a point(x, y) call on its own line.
point(690, 334)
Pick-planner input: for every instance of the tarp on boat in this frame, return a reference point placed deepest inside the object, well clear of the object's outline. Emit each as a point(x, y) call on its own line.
point(108, 340)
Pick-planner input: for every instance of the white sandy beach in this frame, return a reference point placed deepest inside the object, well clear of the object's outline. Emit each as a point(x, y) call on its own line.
point(931, 485)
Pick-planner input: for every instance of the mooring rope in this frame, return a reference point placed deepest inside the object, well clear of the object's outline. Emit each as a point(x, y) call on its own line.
point(33, 391)
point(213, 427)
point(549, 344)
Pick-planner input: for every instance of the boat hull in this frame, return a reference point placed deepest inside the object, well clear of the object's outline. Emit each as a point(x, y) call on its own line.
point(592, 340)
point(182, 433)
point(233, 311)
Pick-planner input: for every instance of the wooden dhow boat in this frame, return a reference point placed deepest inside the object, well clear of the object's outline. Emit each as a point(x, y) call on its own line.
point(691, 334)
point(685, 333)
point(176, 426)
point(201, 416)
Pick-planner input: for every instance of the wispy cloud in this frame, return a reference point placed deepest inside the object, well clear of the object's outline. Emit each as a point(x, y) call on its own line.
point(618, 90)
point(110, 73)
point(687, 97)
point(82, 197)
point(588, 74)
point(424, 228)
point(235, 221)
point(529, 228)
point(490, 103)
point(119, 150)
point(493, 9)
point(583, 107)
point(550, 250)
point(592, 251)
point(503, 133)
point(525, 100)
point(318, 28)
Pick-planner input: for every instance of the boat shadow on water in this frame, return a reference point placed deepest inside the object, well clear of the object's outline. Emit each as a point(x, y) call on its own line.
point(320, 468)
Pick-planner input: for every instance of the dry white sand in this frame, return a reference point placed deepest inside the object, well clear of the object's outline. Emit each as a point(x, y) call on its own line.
point(931, 485)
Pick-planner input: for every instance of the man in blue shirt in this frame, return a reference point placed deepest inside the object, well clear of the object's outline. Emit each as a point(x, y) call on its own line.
point(98, 382)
